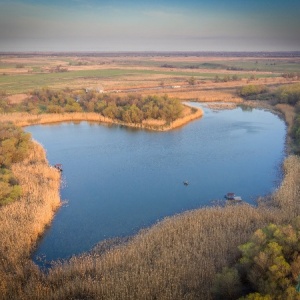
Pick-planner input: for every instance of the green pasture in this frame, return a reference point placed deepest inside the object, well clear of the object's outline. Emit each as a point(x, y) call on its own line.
point(263, 65)
point(26, 82)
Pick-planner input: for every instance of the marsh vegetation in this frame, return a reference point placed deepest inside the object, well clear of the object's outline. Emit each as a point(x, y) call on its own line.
point(178, 258)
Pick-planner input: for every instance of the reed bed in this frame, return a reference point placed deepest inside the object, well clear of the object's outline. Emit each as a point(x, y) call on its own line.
point(24, 221)
point(177, 258)
point(197, 93)
point(288, 112)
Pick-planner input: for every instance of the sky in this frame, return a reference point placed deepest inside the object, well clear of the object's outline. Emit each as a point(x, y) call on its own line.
point(165, 25)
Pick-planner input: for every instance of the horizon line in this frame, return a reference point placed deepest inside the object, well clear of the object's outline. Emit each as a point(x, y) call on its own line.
point(152, 52)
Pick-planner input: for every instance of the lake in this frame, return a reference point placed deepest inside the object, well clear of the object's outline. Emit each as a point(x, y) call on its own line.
point(117, 180)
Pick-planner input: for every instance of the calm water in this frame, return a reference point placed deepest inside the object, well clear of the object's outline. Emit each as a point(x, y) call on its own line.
point(119, 180)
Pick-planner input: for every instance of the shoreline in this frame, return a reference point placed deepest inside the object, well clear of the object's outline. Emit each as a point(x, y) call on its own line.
point(37, 170)
point(26, 119)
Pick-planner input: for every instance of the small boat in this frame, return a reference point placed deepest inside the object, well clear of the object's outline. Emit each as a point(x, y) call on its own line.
point(229, 196)
point(186, 183)
point(58, 167)
point(233, 197)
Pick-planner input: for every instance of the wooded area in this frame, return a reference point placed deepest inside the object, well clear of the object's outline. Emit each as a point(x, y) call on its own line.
point(128, 109)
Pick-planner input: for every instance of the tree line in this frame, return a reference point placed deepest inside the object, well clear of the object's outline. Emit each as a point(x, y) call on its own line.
point(128, 109)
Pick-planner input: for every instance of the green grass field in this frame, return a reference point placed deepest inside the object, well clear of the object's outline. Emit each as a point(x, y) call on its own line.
point(20, 83)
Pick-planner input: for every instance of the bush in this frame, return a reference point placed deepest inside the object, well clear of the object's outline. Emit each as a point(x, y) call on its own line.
point(9, 188)
point(289, 94)
point(227, 285)
point(271, 261)
point(14, 146)
point(252, 90)
point(269, 266)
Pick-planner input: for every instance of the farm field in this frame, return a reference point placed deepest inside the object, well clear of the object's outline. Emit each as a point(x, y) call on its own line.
point(188, 77)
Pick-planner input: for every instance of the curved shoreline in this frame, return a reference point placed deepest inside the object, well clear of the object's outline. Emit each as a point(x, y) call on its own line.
point(32, 173)
point(26, 119)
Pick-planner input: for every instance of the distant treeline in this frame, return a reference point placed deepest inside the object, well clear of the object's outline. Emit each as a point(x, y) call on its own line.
point(14, 146)
point(128, 109)
point(202, 66)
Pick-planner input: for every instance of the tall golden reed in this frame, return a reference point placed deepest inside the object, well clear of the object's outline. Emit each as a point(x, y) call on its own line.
point(177, 258)
point(24, 221)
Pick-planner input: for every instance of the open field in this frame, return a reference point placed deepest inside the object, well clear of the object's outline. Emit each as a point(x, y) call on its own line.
point(148, 73)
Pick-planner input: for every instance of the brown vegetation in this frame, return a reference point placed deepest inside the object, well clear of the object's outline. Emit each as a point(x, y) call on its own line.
point(176, 259)
point(24, 221)
point(288, 112)
point(179, 257)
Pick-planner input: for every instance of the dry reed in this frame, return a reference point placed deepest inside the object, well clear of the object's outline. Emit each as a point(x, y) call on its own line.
point(177, 258)
point(288, 112)
point(24, 221)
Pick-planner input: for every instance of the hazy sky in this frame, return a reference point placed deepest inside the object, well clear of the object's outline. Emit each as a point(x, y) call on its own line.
point(165, 25)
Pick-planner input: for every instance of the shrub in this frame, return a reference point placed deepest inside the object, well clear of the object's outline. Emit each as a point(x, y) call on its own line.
point(289, 94)
point(227, 284)
point(9, 188)
point(252, 90)
point(14, 146)
point(269, 266)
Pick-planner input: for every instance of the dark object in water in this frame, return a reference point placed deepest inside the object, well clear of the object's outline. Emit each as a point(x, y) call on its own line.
point(232, 196)
point(58, 167)
point(186, 183)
